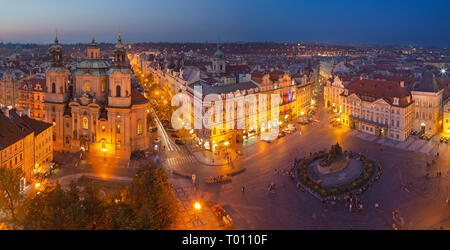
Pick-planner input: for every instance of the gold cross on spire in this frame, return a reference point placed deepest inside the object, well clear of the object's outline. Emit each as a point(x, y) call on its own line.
point(120, 38)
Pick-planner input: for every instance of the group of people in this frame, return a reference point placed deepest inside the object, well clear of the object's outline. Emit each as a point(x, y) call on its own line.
point(216, 179)
point(396, 219)
point(353, 203)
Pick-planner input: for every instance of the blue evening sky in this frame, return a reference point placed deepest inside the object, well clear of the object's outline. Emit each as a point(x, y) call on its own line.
point(424, 22)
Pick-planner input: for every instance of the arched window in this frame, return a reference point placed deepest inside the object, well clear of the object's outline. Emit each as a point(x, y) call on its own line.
point(85, 123)
point(87, 87)
point(53, 87)
point(139, 128)
point(118, 91)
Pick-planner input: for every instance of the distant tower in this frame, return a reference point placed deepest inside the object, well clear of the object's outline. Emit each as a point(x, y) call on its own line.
point(119, 78)
point(218, 64)
point(93, 51)
point(56, 95)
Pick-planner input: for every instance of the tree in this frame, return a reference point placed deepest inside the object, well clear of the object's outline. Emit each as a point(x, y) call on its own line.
point(146, 203)
point(47, 210)
point(152, 198)
point(10, 194)
point(119, 215)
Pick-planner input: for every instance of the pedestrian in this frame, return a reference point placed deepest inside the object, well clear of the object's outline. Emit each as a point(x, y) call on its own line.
point(243, 189)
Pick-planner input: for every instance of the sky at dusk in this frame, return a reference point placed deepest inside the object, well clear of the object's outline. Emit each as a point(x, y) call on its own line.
point(421, 22)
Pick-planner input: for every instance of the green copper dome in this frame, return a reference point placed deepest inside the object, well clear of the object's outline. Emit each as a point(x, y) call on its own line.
point(92, 64)
point(218, 54)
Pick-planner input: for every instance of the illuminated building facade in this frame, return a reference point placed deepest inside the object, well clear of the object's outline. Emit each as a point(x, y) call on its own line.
point(446, 119)
point(32, 96)
point(24, 143)
point(102, 114)
point(429, 105)
point(378, 107)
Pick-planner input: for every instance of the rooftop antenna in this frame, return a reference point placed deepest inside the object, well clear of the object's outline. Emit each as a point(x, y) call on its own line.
point(56, 35)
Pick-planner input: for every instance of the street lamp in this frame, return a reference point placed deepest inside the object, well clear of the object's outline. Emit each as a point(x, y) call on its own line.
point(197, 206)
point(104, 151)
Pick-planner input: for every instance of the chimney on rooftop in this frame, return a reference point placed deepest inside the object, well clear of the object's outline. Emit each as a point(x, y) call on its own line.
point(402, 84)
point(6, 112)
point(19, 112)
point(26, 111)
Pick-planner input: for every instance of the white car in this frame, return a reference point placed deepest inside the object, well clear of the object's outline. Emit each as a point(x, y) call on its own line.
point(291, 127)
point(287, 131)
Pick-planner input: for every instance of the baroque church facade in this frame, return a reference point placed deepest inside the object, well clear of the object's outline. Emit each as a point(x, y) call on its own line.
point(101, 113)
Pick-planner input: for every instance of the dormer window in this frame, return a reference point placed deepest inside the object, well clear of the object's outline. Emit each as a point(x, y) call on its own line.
point(395, 100)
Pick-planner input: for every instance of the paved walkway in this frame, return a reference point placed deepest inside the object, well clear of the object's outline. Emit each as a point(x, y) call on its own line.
point(190, 218)
point(411, 144)
point(207, 157)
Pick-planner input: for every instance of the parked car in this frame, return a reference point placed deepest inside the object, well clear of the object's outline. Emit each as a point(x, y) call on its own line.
point(175, 135)
point(287, 131)
point(179, 142)
point(291, 127)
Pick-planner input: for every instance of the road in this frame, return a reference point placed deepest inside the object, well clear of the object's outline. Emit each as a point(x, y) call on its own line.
point(292, 209)
point(402, 186)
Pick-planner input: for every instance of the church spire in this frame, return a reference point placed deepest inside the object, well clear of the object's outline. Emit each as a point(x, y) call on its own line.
point(120, 37)
point(56, 36)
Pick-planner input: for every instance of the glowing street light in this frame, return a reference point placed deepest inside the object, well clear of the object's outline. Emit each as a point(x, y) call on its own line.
point(197, 206)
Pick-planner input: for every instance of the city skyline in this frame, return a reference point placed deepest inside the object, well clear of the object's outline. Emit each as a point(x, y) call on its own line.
point(424, 23)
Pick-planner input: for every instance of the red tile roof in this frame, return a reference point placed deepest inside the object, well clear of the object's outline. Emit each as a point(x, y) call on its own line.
point(379, 89)
point(137, 97)
point(32, 83)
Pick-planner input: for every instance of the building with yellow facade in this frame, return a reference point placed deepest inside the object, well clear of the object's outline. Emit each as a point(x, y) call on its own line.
point(32, 96)
point(428, 100)
point(332, 94)
point(24, 143)
point(294, 95)
point(446, 119)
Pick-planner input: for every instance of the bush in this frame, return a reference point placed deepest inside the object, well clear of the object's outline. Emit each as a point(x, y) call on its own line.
point(367, 173)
